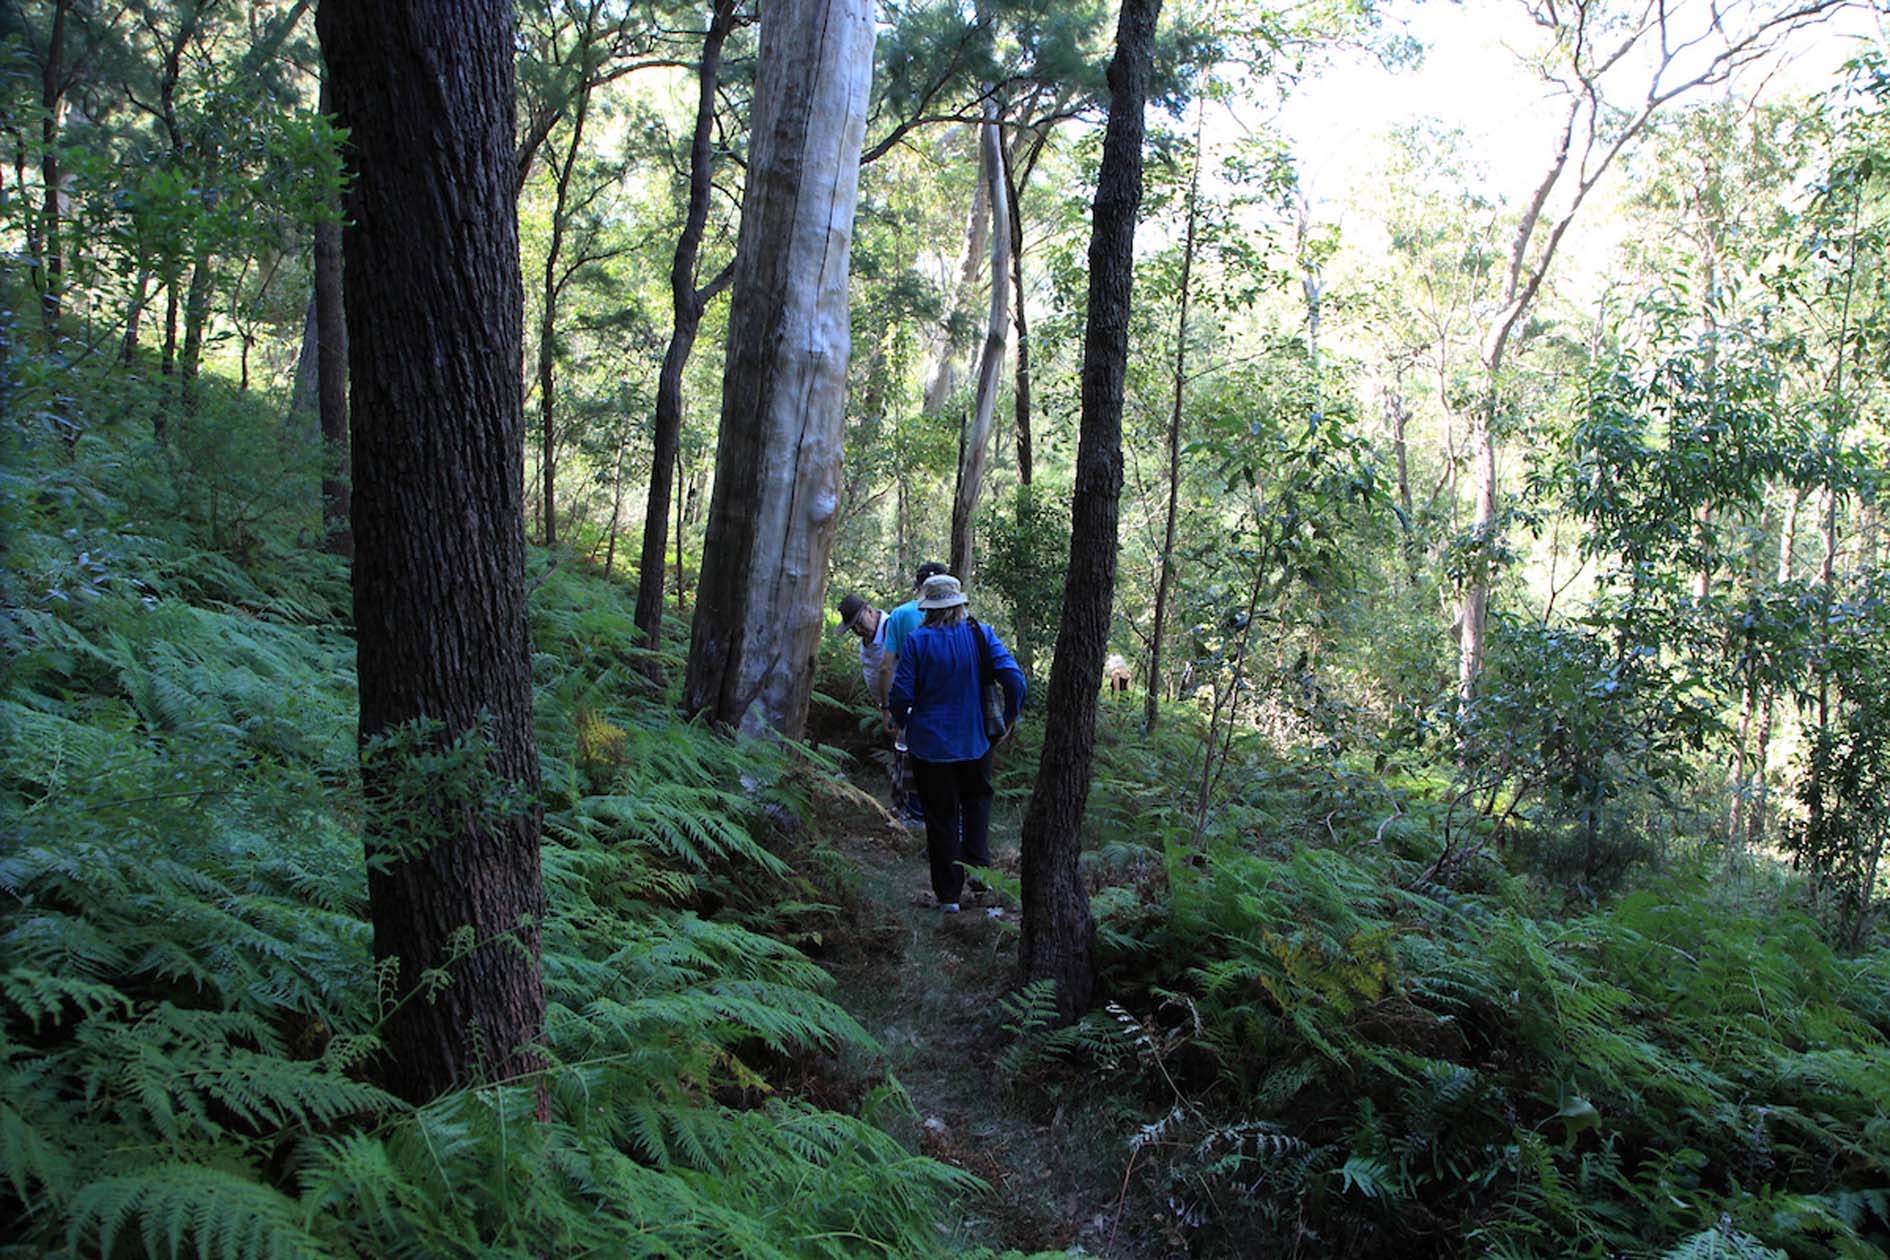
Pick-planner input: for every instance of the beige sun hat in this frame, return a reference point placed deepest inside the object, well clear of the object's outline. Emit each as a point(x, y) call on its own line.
point(941, 591)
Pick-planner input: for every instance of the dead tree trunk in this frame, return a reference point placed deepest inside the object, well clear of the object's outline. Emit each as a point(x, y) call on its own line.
point(1058, 940)
point(434, 301)
point(759, 604)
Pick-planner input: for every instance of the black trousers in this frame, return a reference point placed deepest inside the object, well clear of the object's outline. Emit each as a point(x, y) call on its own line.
point(955, 793)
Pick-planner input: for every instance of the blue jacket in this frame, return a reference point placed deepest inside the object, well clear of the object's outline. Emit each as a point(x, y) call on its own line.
point(935, 692)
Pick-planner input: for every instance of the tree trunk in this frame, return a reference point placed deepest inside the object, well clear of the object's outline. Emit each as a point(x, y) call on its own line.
point(942, 380)
point(682, 495)
point(1165, 583)
point(1312, 282)
point(1758, 817)
point(902, 529)
point(134, 315)
point(434, 304)
point(196, 319)
point(687, 303)
point(1400, 417)
point(548, 314)
point(759, 601)
point(167, 362)
point(331, 379)
point(1058, 938)
point(1476, 595)
point(52, 89)
point(616, 511)
point(29, 222)
point(304, 391)
point(1020, 319)
point(1827, 577)
point(975, 455)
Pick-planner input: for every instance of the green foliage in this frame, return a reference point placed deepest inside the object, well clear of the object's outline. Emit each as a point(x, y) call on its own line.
point(1317, 1038)
point(1846, 787)
point(1026, 546)
point(190, 1056)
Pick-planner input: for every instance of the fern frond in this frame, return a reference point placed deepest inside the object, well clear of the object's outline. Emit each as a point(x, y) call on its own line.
point(217, 1214)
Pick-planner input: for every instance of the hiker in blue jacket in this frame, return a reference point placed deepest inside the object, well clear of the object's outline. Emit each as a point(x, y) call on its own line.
point(936, 696)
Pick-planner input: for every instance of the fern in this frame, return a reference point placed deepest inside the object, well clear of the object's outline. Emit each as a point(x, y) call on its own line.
point(217, 1214)
point(1721, 1244)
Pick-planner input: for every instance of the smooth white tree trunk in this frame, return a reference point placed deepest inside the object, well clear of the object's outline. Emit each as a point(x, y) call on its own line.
point(771, 518)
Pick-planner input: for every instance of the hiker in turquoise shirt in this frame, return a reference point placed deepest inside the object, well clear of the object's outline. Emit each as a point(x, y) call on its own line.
point(906, 618)
point(936, 697)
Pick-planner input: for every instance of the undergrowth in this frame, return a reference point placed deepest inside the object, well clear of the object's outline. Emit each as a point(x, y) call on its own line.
point(1315, 1050)
point(190, 1054)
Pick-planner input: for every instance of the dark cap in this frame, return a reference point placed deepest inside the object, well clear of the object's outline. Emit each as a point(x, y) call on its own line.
point(849, 609)
point(931, 568)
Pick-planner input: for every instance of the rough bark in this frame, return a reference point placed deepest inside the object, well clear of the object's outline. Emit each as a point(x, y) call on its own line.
point(1058, 938)
point(975, 456)
point(759, 606)
point(688, 303)
point(1165, 583)
point(331, 378)
point(434, 302)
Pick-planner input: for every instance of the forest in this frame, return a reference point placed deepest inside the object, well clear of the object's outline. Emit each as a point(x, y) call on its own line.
point(1427, 462)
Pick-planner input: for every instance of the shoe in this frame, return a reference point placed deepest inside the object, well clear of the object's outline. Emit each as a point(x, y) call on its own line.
point(950, 907)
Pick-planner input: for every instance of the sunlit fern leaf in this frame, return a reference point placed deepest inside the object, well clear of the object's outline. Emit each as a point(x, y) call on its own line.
point(1721, 1243)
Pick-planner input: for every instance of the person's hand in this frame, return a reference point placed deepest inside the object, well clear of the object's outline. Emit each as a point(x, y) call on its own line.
point(886, 721)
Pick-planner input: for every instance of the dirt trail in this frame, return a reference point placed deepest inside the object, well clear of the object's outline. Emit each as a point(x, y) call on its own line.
point(929, 987)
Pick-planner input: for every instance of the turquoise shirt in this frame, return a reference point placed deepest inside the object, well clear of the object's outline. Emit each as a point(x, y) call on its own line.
point(901, 622)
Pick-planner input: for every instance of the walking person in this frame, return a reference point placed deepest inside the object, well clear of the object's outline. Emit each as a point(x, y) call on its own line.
point(937, 696)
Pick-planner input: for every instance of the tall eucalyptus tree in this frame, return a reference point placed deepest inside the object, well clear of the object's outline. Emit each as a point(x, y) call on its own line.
point(759, 607)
